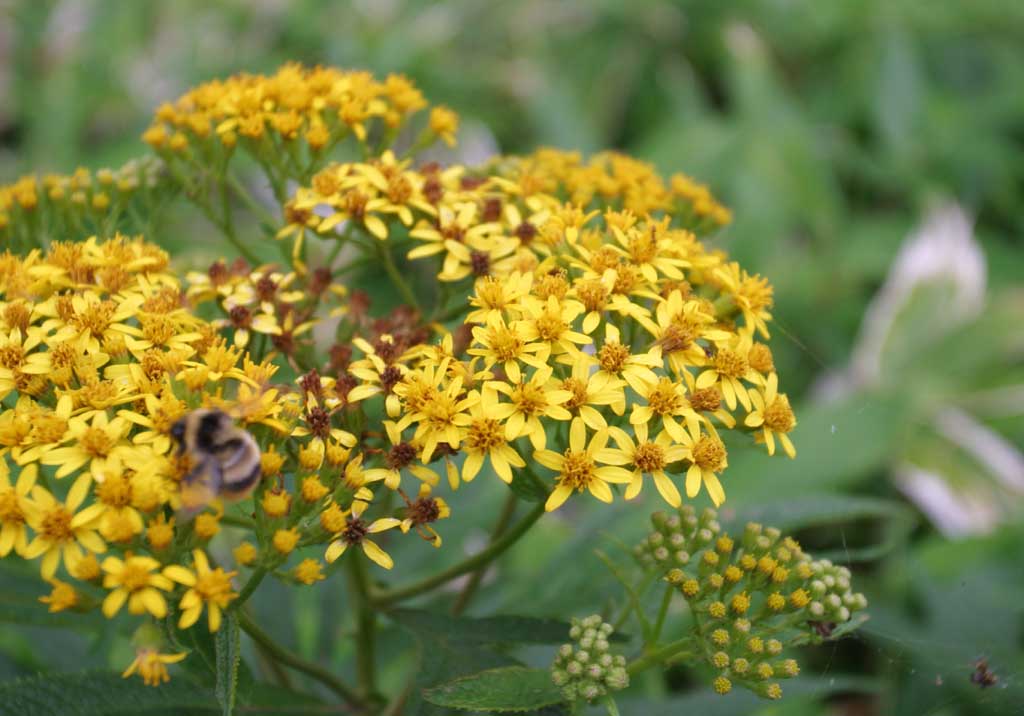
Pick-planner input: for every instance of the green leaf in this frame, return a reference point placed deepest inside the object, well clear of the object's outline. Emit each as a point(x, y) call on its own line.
point(99, 693)
point(512, 688)
point(228, 658)
point(488, 630)
point(527, 489)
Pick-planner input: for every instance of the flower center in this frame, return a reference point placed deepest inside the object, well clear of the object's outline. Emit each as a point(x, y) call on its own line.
point(593, 294)
point(529, 399)
point(577, 470)
point(550, 327)
point(708, 399)
point(730, 364)
point(96, 318)
point(677, 337)
point(115, 491)
point(579, 393)
point(96, 442)
point(48, 428)
point(56, 525)
point(649, 457)
point(779, 416)
point(505, 344)
point(665, 399)
point(157, 329)
point(424, 510)
point(613, 357)
point(485, 434)
point(761, 358)
point(215, 586)
point(10, 507)
point(355, 531)
point(12, 355)
point(135, 576)
point(709, 453)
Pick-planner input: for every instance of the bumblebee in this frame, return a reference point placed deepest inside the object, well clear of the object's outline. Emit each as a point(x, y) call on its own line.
point(225, 458)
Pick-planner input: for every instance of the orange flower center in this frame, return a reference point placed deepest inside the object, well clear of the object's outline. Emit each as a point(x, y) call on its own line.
point(215, 586)
point(649, 457)
point(613, 357)
point(577, 470)
point(10, 507)
point(485, 434)
point(135, 576)
point(709, 453)
point(665, 399)
point(96, 442)
point(778, 416)
point(56, 525)
point(730, 364)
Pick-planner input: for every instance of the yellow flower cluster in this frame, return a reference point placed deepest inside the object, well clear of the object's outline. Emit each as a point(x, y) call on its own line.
point(580, 331)
point(750, 599)
point(290, 120)
point(56, 206)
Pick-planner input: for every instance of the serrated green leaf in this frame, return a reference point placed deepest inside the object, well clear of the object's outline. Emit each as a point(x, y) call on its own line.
point(99, 693)
point(228, 657)
point(488, 630)
point(511, 688)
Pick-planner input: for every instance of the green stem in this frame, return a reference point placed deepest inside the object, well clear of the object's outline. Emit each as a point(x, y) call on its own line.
point(396, 277)
point(666, 599)
point(366, 626)
point(478, 560)
point(254, 581)
point(507, 512)
point(296, 662)
point(656, 656)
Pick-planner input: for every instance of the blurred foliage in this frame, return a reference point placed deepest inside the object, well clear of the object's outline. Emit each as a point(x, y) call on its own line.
point(829, 128)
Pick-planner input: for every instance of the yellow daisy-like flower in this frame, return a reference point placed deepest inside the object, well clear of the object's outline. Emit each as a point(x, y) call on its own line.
point(355, 533)
point(578, 467)
point(421, 512)
point(551, 321)
point(649, 457)
point(773, 415)
point(708, 457)
point(209, 587)
point(729, 367)
point(508, 345)
point(485, 438)
point(539, 397)
point(133, 580)
point(61, 530)
point(13, 532)
point(94, 443)
point(617, 363)
point(151, 665)
point(666, 399)
point(494, 297)
point(588, 391)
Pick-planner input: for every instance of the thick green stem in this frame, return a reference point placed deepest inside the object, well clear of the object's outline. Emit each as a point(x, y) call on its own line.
point(366, 626)
point(507, 512)
point(294, 661)
point(478, 560)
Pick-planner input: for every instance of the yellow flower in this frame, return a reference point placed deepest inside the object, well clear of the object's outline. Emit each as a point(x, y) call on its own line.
point(678, 327)
point(94, 444)
point(617, 363)
point(550, 321)
point(588, 391)
point(309, 571)
point(578, 468)
point(648, 457)
point(485, 436)
point(666, 399)
point(63, 596)
point(729, 367)
point(508, 345)
point(151, 665)
point(422, 511)
point(531, 400)
point(245, 553)
point(13, 534)
point(355, 533)
point(284, 540)
point(132, 580)
point(400, 456)
point(209, 587)
point(60, 529)
point(708, 457)
point(444, 123)
point(773, 415)
point(493, 297)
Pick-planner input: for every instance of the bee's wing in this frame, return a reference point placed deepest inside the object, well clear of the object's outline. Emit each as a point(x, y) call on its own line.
point(201, 486)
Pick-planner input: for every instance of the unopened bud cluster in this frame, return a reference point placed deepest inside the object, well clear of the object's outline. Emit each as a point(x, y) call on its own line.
point(586, 668)
point(750, 599)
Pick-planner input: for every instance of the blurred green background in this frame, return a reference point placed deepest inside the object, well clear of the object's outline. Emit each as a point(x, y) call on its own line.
point(838, 132)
